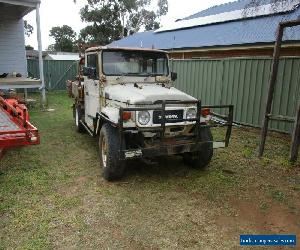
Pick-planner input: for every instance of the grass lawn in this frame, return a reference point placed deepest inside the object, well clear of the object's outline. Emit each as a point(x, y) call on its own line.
point(53, 195)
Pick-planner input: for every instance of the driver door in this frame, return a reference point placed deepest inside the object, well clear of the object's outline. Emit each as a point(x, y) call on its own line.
point(91, 90)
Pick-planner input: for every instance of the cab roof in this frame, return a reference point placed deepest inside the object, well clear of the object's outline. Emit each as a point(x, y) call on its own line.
point(99, 48)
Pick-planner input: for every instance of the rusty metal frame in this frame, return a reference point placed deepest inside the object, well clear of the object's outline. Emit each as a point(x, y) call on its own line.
point(193, 144)
point(23, 136)
point(268, 116)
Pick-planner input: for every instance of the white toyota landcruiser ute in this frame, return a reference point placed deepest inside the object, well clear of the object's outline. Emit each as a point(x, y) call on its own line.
point(126, 98)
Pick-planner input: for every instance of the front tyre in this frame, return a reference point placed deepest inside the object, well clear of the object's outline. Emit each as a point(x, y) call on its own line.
point(201, 159)
point(109, 145)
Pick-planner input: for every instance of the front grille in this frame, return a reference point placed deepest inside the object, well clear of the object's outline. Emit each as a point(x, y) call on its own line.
point(172, 116)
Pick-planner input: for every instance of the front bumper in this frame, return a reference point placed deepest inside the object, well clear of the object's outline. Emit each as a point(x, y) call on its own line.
point(168, 150)
point(178, 146)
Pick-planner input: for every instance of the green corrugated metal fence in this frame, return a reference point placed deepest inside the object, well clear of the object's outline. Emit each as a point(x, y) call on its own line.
point(242, 82)
point(56, 72)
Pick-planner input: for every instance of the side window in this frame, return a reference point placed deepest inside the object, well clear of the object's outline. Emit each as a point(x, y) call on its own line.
point(92, 62)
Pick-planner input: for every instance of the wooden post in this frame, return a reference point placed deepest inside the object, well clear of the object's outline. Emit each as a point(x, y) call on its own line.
point(272, 83)
point(296, 137)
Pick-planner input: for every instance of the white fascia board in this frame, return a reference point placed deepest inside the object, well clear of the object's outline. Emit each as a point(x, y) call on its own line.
point(263, 10)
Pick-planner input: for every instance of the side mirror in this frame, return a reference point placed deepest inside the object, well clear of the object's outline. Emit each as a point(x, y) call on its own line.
point(173, 76)
point(90, 72)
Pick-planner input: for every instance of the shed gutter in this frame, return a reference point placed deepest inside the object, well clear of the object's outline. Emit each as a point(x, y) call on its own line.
point(241, 47)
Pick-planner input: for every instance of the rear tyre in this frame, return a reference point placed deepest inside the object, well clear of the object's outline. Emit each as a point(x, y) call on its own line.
point(201, 159)
point(109, 145)
point(78, 116)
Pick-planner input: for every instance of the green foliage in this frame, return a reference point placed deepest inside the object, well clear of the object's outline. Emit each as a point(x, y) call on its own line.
point(51, 47)
point(163, 7)
point(29, 47)
point(278, 195)
point(64, 37)
point(28, 29)
point(105, 24)
point(112, 20)
point(247, 152)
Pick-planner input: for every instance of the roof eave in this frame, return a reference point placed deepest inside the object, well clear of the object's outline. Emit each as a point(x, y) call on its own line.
point(95, 49)
point(31, 4)
point(22, 7)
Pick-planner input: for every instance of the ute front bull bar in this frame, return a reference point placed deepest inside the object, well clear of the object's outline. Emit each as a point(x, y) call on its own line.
point(193, 144)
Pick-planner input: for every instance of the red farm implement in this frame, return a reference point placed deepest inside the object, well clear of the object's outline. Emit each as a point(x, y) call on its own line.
point(15, 128)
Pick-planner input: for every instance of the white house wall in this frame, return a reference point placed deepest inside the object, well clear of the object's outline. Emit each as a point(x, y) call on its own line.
point(12, 47)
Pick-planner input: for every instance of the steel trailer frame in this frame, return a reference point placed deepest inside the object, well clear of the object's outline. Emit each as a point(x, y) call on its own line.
point(22, 133)
point(183, 146)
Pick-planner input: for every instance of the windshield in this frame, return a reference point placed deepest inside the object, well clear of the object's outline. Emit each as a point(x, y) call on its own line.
point(134, 63)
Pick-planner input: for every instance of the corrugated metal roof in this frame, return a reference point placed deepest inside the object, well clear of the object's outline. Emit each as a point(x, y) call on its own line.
point(241, 32)
point(235, 15)
point(227, 7)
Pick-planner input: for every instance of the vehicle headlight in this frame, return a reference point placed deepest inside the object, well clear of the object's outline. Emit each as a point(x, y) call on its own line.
point(191, 113)
point(144, 117)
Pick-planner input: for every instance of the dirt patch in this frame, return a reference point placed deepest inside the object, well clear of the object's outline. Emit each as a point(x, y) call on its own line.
point(249, 217)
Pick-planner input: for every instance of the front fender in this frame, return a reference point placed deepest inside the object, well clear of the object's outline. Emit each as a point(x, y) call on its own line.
point(111, 114)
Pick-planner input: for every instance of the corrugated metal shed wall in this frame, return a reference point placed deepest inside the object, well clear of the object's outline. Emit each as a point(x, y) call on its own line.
point(56, 72)
point(242, 82)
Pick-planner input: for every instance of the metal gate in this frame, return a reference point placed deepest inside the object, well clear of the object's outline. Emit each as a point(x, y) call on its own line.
point(56, 72)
